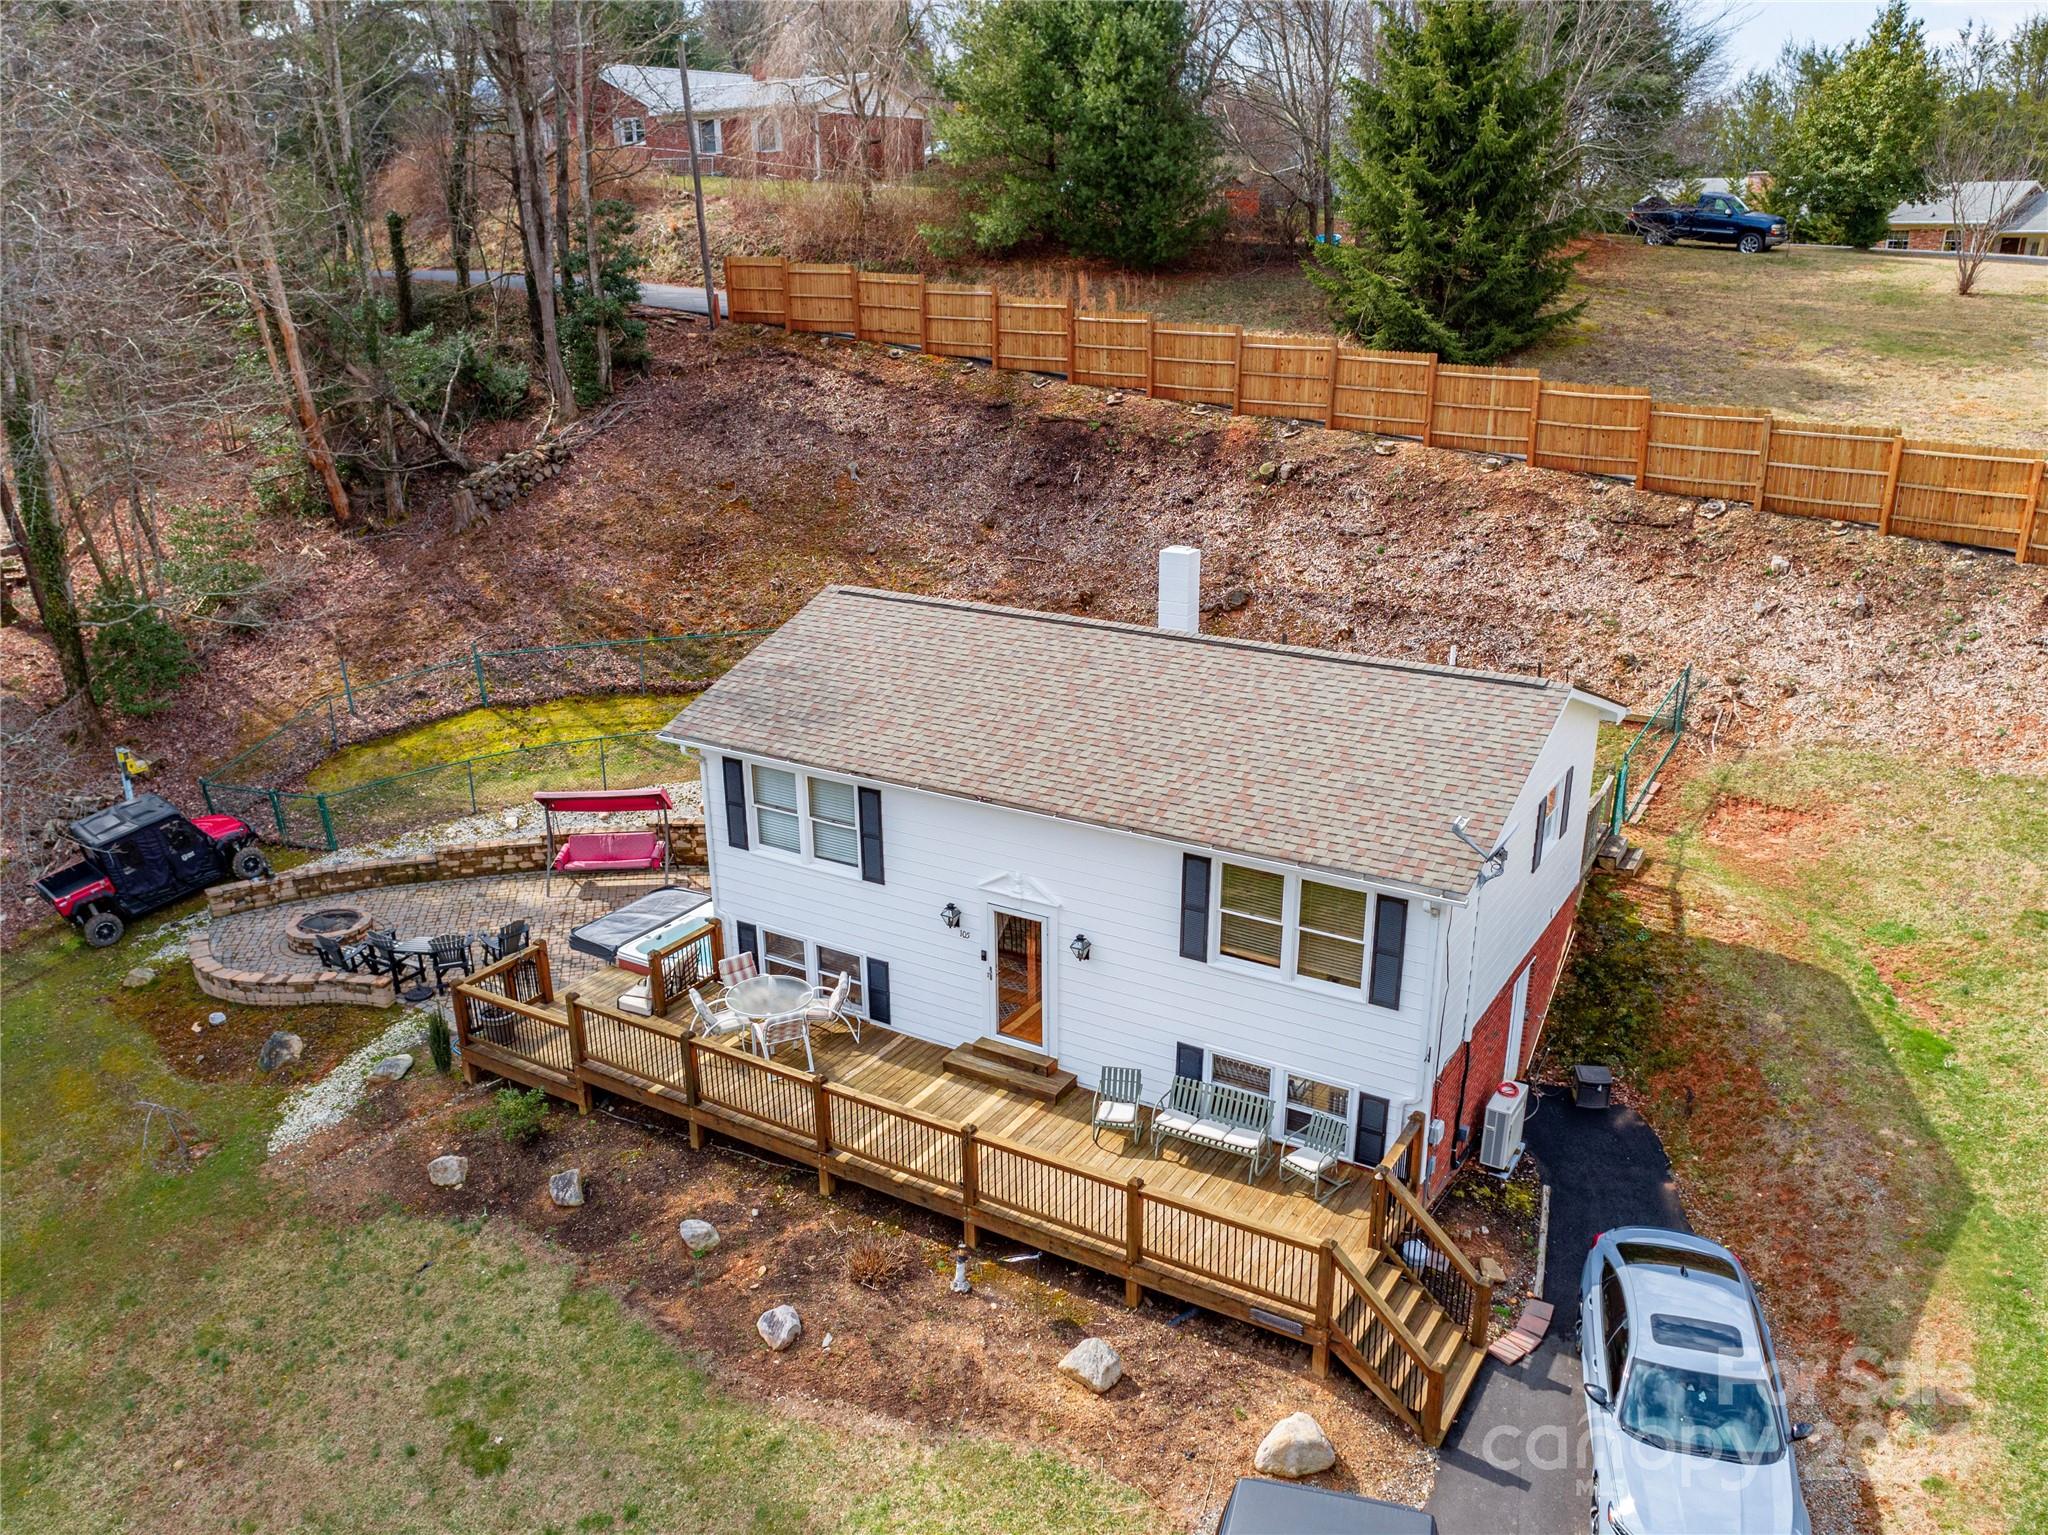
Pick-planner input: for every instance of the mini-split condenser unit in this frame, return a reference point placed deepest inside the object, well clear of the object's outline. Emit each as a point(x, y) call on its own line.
point(1500, 1143)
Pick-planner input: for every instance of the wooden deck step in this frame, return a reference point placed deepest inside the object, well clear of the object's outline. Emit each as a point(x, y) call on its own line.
point(967, 1061)
point(1010, 1053)
point(1459, 1377)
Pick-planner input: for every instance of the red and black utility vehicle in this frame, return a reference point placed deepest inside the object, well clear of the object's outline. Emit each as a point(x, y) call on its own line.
point(142, 855)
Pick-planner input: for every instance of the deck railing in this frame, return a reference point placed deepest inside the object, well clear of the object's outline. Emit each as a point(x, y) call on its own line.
point(1314, 1292)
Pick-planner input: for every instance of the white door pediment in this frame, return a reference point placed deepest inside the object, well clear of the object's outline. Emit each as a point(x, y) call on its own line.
point(1018, 887)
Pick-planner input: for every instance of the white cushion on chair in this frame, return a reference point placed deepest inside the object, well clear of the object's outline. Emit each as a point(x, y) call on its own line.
point(1244, 1140)
point(1117, 1114)
point(1307, 1162)
point(1212, 1130)
point(1172, 1119)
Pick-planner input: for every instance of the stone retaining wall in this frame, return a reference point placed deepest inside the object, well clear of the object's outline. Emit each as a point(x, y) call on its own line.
point(473, 860)
point(272, 988)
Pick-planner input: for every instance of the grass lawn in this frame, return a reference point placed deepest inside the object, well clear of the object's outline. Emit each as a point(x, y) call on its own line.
point(1833, 981)
point(196, 1350)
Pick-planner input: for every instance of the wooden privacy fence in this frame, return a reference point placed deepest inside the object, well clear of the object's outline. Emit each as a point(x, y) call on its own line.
point(1955, 492)
point(506, 1025)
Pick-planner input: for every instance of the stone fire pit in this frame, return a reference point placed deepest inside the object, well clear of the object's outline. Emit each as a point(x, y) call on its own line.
point(344, 924)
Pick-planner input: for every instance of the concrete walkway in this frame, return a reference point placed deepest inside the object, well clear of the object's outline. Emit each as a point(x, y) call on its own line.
point(1518, 1462)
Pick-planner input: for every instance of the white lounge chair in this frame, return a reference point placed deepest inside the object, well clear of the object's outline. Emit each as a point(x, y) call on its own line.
point(713, 1022)
point(830, 1006)
point(771, 1034)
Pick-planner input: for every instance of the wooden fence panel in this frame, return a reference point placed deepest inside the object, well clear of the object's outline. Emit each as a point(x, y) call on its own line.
point(1964, 494)
point(1034, 335)
point(2033, 539)
point(754, 291)
point(1113, 351)
point(1826, 469)
point(1706, 450)
point(891, 308)
point(1384, 392)
point(1591, 430)
point(822, 298)
point(1484, 410)
point(960, 322)
point(1196, 363)
point(1285, 376)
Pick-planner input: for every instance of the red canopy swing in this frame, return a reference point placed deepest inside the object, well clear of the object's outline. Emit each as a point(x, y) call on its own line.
point(605, 852)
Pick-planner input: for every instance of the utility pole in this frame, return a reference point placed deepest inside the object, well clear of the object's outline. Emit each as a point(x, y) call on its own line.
point(696, 174)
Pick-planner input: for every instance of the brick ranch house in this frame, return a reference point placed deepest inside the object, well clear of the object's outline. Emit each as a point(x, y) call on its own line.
point(1341, 883)
point(753, 124)
point(2018, 209)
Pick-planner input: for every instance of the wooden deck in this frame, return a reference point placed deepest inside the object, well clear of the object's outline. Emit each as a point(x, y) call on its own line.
point(1366, 1276)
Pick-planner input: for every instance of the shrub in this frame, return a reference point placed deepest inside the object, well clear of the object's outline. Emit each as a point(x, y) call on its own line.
point(875, 1264)
point(619, 262)
point(439, 1046)
point(521, 1115)
point(457, 371)
point(281, 480)
point(210, 564)
point(138, 655)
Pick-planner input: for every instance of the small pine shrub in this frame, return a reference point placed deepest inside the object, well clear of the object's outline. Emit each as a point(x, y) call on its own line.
point(439, 1045)
point(522, 1116)
point(138, 655)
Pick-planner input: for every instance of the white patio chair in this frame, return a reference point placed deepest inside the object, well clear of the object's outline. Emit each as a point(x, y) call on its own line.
point(735, 968)
point(713, 1022)
point(771, 1034)
point(830, 1006)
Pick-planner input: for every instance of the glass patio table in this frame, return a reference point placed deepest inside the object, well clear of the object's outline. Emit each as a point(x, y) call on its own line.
point(767, 996)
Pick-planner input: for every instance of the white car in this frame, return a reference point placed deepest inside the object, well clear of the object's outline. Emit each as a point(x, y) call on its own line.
point(1683, 1399)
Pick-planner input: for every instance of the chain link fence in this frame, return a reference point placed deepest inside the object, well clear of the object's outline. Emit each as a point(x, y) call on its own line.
point(1650, 750)
point(259, 784)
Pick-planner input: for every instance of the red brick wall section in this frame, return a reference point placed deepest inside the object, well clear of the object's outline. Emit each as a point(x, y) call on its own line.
point(1489, 1048)
point(1924, 239)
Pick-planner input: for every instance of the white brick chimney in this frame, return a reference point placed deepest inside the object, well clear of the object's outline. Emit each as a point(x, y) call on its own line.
point(1180, 589)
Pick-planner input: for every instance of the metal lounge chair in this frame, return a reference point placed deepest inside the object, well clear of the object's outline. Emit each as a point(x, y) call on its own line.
point(830, 1007)
point(772, 1034)
point(1117, 1099)
point(1318, 1157)
point(714, 1022)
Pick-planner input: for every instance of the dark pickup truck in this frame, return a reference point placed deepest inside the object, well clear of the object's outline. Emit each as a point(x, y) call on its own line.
point(1718, 217)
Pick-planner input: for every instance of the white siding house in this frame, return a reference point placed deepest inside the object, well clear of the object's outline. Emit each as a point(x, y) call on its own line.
point(1144, 847)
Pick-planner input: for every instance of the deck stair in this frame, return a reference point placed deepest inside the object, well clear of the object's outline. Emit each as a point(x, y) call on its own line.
point(1005, 1063)
point(1445, 1343)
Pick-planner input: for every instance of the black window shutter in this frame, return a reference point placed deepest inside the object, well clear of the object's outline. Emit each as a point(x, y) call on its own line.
point(1371, 1144)
point(735, 801)
point(1187, 1060)
point(1194, 908)
point(1536, 851)
point(1389, 947)
point(1564, 804)
point(871, 835)
point(749, 938)
point(878, 990)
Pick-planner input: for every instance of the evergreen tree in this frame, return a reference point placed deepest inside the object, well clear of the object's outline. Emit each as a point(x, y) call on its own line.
point(1077, 122)
point(1444, 176)
point(1858, 139)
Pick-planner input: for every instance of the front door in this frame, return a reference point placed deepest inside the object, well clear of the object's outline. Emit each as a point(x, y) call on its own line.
point(1018, 970)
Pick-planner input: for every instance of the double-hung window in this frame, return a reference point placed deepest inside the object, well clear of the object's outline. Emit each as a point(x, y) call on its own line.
point(1310, 930)
point(767, 136)
point(631, 131)
point(835, 828)
point(1254, 925)
point(775, 809)
point(832, 964)
point(1306, 1095)
point(707, 135)
point(784, 955)
point(1332, 934)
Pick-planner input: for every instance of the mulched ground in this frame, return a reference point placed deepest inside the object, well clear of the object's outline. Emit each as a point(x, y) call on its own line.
point(1198, 1392)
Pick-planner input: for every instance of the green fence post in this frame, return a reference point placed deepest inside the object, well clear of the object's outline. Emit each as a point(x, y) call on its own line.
point(277, 814)
point(640, 656)
point(470, 763)
point(1620, 797)
point(483, 691)
point(333, 735)
point(347, 692)
point(326, 821)
point(206, 793)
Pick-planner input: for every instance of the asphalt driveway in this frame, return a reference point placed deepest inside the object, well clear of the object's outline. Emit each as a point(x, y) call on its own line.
point(1516, 1463)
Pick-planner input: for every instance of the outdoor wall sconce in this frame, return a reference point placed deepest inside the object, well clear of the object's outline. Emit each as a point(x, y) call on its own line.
point(1081, 946)
point(950, 914)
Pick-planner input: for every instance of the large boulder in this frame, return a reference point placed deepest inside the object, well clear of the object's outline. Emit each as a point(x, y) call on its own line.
point(278, 1049)
point(1094, 1364)
point(565, 1188)
point(780, 1327)
point(448, 1172)
point(699, 1236)
point(391, 1068)
point(1295, 1446)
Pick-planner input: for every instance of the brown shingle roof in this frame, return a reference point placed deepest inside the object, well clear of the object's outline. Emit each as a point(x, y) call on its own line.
point(1339, 762)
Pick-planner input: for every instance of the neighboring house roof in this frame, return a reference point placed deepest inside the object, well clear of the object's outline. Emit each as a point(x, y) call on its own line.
point(718, 92)
point(1343, 763)
point(2025, 204)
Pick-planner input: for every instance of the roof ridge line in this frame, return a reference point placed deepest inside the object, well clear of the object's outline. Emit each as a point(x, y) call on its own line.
point(1225, 641)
